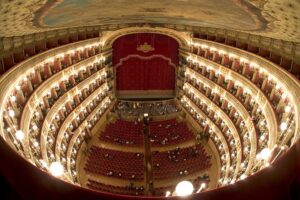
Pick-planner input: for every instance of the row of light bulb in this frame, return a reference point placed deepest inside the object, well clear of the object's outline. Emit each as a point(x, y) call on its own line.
point(71, 52)
point(262, 70)
point(283, 126)
point(270, 77)
point(56, 168)
point(223, 157)
point(184, 100)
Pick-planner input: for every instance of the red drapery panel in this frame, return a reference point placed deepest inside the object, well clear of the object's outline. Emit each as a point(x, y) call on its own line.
point(154, 74)
point(145, 62)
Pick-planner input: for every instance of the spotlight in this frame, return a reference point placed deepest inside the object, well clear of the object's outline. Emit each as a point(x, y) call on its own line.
point(168, 193)
point(284, 95)
point(13, 98)
point(43, 163)
point(258, 157)
point(265, 153)
point(35, 144)
point(287, 109)
point(202, 186)
point(184, 188)
point(56, 169)
point(19, 135)
point(34, 127)
point(267, 164)
point(283, 126)
point(11, 113)
point(146, 118)
point(242, 165)
point(243, 176)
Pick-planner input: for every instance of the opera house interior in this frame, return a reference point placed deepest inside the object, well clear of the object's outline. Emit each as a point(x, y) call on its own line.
point(150, 99)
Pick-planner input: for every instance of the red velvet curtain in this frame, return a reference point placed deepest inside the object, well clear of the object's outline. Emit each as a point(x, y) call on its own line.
point(139, 73)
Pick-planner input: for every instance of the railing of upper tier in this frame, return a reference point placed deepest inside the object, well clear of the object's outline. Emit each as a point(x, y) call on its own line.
point(23, 68)
point(12, 78)
point(18, 49)
point(208, 62)
point(216, 134)
point(258, 96)
point(267, 48)
point(288, 83)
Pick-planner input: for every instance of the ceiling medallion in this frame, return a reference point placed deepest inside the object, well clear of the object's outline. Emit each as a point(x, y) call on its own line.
point(145, 48)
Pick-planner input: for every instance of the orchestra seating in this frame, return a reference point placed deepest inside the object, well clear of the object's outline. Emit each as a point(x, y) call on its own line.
point(169, 132)
point(127, 190)
point(129, 133)
point(118, 164)
point(132, 189)
point(180, 162)
point(123, 133)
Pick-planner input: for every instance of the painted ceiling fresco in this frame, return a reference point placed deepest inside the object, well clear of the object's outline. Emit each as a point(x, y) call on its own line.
point(273, 18)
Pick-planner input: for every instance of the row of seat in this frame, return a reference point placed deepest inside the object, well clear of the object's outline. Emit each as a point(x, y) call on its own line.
point(120, 164)
point(162, 133)
point(123, 133)
point(169, 132)
point(130, 189)
point(180, 162)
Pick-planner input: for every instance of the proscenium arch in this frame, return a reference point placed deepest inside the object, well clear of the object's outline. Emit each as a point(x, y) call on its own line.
point(182, 38)
point(108, 39)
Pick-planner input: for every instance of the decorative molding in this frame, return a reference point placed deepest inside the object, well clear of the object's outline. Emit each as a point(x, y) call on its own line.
point(133, 94)
point(182, 33)
point(182, 37)
point(145, 48)
point(145, 58)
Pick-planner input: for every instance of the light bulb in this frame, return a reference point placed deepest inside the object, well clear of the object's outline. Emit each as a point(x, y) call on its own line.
point(11, 113)
point(265, 153)
point(184, 188)
point(168, 193)
point(56, 169)
point(243, 176)
point(287, 109)
point(283, 126)
point(19, 135)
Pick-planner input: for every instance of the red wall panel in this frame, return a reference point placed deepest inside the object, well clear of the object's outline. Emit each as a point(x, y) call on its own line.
point(8, 62)
point(152, 70)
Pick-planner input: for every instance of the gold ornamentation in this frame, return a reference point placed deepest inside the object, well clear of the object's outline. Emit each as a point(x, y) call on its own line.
point(145, 48)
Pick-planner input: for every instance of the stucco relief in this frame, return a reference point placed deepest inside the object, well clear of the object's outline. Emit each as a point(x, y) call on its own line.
point(271, 18)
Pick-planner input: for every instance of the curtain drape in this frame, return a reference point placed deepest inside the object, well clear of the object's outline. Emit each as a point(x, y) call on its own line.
point(137, 73)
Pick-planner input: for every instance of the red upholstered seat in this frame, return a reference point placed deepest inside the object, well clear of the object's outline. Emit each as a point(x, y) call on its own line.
point(169, 132)
point(116, 164)
point(180, 162)
point(123, 133)
point(124, 190)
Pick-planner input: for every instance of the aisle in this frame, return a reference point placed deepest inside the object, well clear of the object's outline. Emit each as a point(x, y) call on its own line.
point(148, 162)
